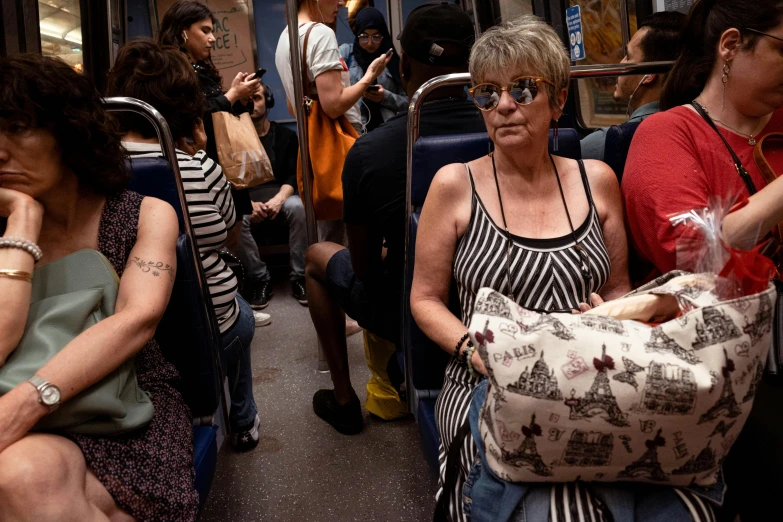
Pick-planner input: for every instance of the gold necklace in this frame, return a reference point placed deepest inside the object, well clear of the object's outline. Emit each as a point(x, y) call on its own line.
point(751, 137)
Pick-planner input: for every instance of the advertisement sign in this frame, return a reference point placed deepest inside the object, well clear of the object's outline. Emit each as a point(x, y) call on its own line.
point(575, 35)
point(232, 51)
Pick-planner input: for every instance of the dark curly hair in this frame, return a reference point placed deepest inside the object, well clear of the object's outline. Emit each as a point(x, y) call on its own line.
point(181, 15)
point(162, 77)
point(47, 93)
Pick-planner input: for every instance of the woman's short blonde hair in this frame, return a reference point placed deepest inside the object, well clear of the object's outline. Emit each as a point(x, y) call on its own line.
point(526, 45)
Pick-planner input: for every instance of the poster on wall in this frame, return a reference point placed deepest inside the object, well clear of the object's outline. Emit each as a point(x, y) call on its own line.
point(232, 51)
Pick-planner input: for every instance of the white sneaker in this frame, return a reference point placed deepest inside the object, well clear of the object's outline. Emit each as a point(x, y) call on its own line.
point(262, 319)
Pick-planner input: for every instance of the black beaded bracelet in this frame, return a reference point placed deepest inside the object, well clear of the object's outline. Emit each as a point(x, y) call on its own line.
point(457, 351)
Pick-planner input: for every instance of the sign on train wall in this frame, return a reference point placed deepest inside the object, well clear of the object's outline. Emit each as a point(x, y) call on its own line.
point(232, 51)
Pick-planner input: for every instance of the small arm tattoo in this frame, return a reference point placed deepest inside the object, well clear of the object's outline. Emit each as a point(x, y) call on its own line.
point(152, 267)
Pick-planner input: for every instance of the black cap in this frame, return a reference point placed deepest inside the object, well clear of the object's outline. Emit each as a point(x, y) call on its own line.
point(438, 34)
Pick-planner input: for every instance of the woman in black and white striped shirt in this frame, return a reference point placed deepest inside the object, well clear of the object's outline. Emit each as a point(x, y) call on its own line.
point(546, 231)
point(162, 77)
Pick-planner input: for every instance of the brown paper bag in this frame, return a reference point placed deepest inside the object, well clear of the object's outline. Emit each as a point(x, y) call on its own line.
point(240, 153)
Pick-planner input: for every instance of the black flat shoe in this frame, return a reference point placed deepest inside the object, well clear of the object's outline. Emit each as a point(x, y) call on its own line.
point(347, 419)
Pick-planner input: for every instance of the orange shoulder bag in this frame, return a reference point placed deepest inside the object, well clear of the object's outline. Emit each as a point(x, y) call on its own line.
point(329, 141)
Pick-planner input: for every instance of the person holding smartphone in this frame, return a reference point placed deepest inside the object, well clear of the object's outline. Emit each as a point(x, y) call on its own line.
point(386, 96)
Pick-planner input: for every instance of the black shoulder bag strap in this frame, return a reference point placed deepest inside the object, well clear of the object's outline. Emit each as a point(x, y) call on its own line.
point(452, 473)
point(744, 174)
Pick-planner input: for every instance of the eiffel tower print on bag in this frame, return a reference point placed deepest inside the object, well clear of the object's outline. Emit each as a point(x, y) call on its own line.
point(599, 398)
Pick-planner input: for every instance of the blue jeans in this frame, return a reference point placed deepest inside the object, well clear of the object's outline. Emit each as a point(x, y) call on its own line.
point(490, 499)
point(247, 250)
point(235, 359)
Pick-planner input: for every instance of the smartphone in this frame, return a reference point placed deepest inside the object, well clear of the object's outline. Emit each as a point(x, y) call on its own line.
point(389, 53)
point(373, 88)
point(259, 73)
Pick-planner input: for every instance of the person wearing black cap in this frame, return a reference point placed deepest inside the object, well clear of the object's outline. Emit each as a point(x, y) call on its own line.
point(360, 280)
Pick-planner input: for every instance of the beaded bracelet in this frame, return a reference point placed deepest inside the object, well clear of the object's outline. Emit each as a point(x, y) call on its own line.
point(457, 351)
point(469, 360)
point(22, 244)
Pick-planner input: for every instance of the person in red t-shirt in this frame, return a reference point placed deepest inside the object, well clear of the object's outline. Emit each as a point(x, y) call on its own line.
point(731, 64)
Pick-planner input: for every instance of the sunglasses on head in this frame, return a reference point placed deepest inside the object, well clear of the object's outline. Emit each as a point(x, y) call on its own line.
point(523, 90)
point(376, 38)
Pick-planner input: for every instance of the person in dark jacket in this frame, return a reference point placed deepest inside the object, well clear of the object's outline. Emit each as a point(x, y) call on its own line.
point(372, 39)
point(278, 197)
point(188, 25)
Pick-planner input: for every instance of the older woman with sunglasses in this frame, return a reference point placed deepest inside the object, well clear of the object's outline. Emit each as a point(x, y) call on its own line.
point(545, 230)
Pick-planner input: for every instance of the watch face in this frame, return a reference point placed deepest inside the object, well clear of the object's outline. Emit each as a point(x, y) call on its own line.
point(50, 395)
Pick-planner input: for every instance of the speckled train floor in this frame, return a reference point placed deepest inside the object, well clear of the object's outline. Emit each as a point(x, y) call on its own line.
point(303, 470)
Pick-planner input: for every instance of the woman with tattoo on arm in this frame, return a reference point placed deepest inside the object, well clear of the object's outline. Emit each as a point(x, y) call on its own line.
point(62, 173)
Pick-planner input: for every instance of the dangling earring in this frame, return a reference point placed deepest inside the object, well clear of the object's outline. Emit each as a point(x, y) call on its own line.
point(185, 36)
point(725, 80)
point(556, 141)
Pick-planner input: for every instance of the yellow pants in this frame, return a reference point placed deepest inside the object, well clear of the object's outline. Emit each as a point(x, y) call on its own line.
point(382, 399)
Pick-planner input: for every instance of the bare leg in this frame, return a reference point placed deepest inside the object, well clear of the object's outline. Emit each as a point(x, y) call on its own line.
point(328, 318)
point(45, 477)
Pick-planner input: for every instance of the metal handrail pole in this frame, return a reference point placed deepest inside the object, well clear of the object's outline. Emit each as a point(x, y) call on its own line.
point(295, 57)
point(619, 69)
point(414, 109)
point(476, 22)
point(625, 23)
point(414, 117)
point(124, 104)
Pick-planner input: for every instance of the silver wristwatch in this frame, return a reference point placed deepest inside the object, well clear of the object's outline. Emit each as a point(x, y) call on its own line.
point(48, 393)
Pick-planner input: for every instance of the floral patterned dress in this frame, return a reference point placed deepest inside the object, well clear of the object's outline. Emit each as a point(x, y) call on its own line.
point(149, 472)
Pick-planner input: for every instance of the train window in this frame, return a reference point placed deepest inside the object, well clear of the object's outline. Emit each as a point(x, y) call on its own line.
point(61, 30)
point(510, 9)
point(603, 23)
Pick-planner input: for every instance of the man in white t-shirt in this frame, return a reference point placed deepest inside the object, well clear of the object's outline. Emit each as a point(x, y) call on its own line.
point(329, 73)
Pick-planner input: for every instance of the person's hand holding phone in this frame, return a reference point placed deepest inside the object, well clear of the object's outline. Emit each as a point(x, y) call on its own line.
point(374, 93)
point(377, 66)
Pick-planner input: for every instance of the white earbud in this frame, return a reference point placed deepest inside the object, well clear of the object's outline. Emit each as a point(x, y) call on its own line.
point(184, 36)
point(628, 108)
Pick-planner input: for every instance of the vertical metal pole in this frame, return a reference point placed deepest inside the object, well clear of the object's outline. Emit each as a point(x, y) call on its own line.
point(301, 126)
point(625, 23)
point(476, 22)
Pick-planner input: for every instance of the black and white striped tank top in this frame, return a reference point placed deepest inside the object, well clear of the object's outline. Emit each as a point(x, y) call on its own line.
point(545, 273)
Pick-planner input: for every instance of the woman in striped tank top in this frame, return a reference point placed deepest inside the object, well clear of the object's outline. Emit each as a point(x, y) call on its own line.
point(162, 77)
point(545, 230)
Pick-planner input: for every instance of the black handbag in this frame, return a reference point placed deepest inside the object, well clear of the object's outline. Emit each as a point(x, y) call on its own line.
point(775, 356)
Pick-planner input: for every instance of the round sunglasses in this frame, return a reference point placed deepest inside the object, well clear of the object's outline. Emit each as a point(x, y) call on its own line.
point(523, 90)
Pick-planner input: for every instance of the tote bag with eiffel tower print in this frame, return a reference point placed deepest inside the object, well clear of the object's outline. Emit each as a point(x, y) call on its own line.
point(594, 398)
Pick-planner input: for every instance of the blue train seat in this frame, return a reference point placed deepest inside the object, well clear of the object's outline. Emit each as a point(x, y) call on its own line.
point(184, 333)
point(618, 141)
point(426, 362)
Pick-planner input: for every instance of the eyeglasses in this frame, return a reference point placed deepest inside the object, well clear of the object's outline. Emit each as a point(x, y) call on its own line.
point(376, 38)
point(523, 90)
point(763, 34)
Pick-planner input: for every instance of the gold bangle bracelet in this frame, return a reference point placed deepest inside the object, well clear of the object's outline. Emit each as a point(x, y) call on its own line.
point(21, 275)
